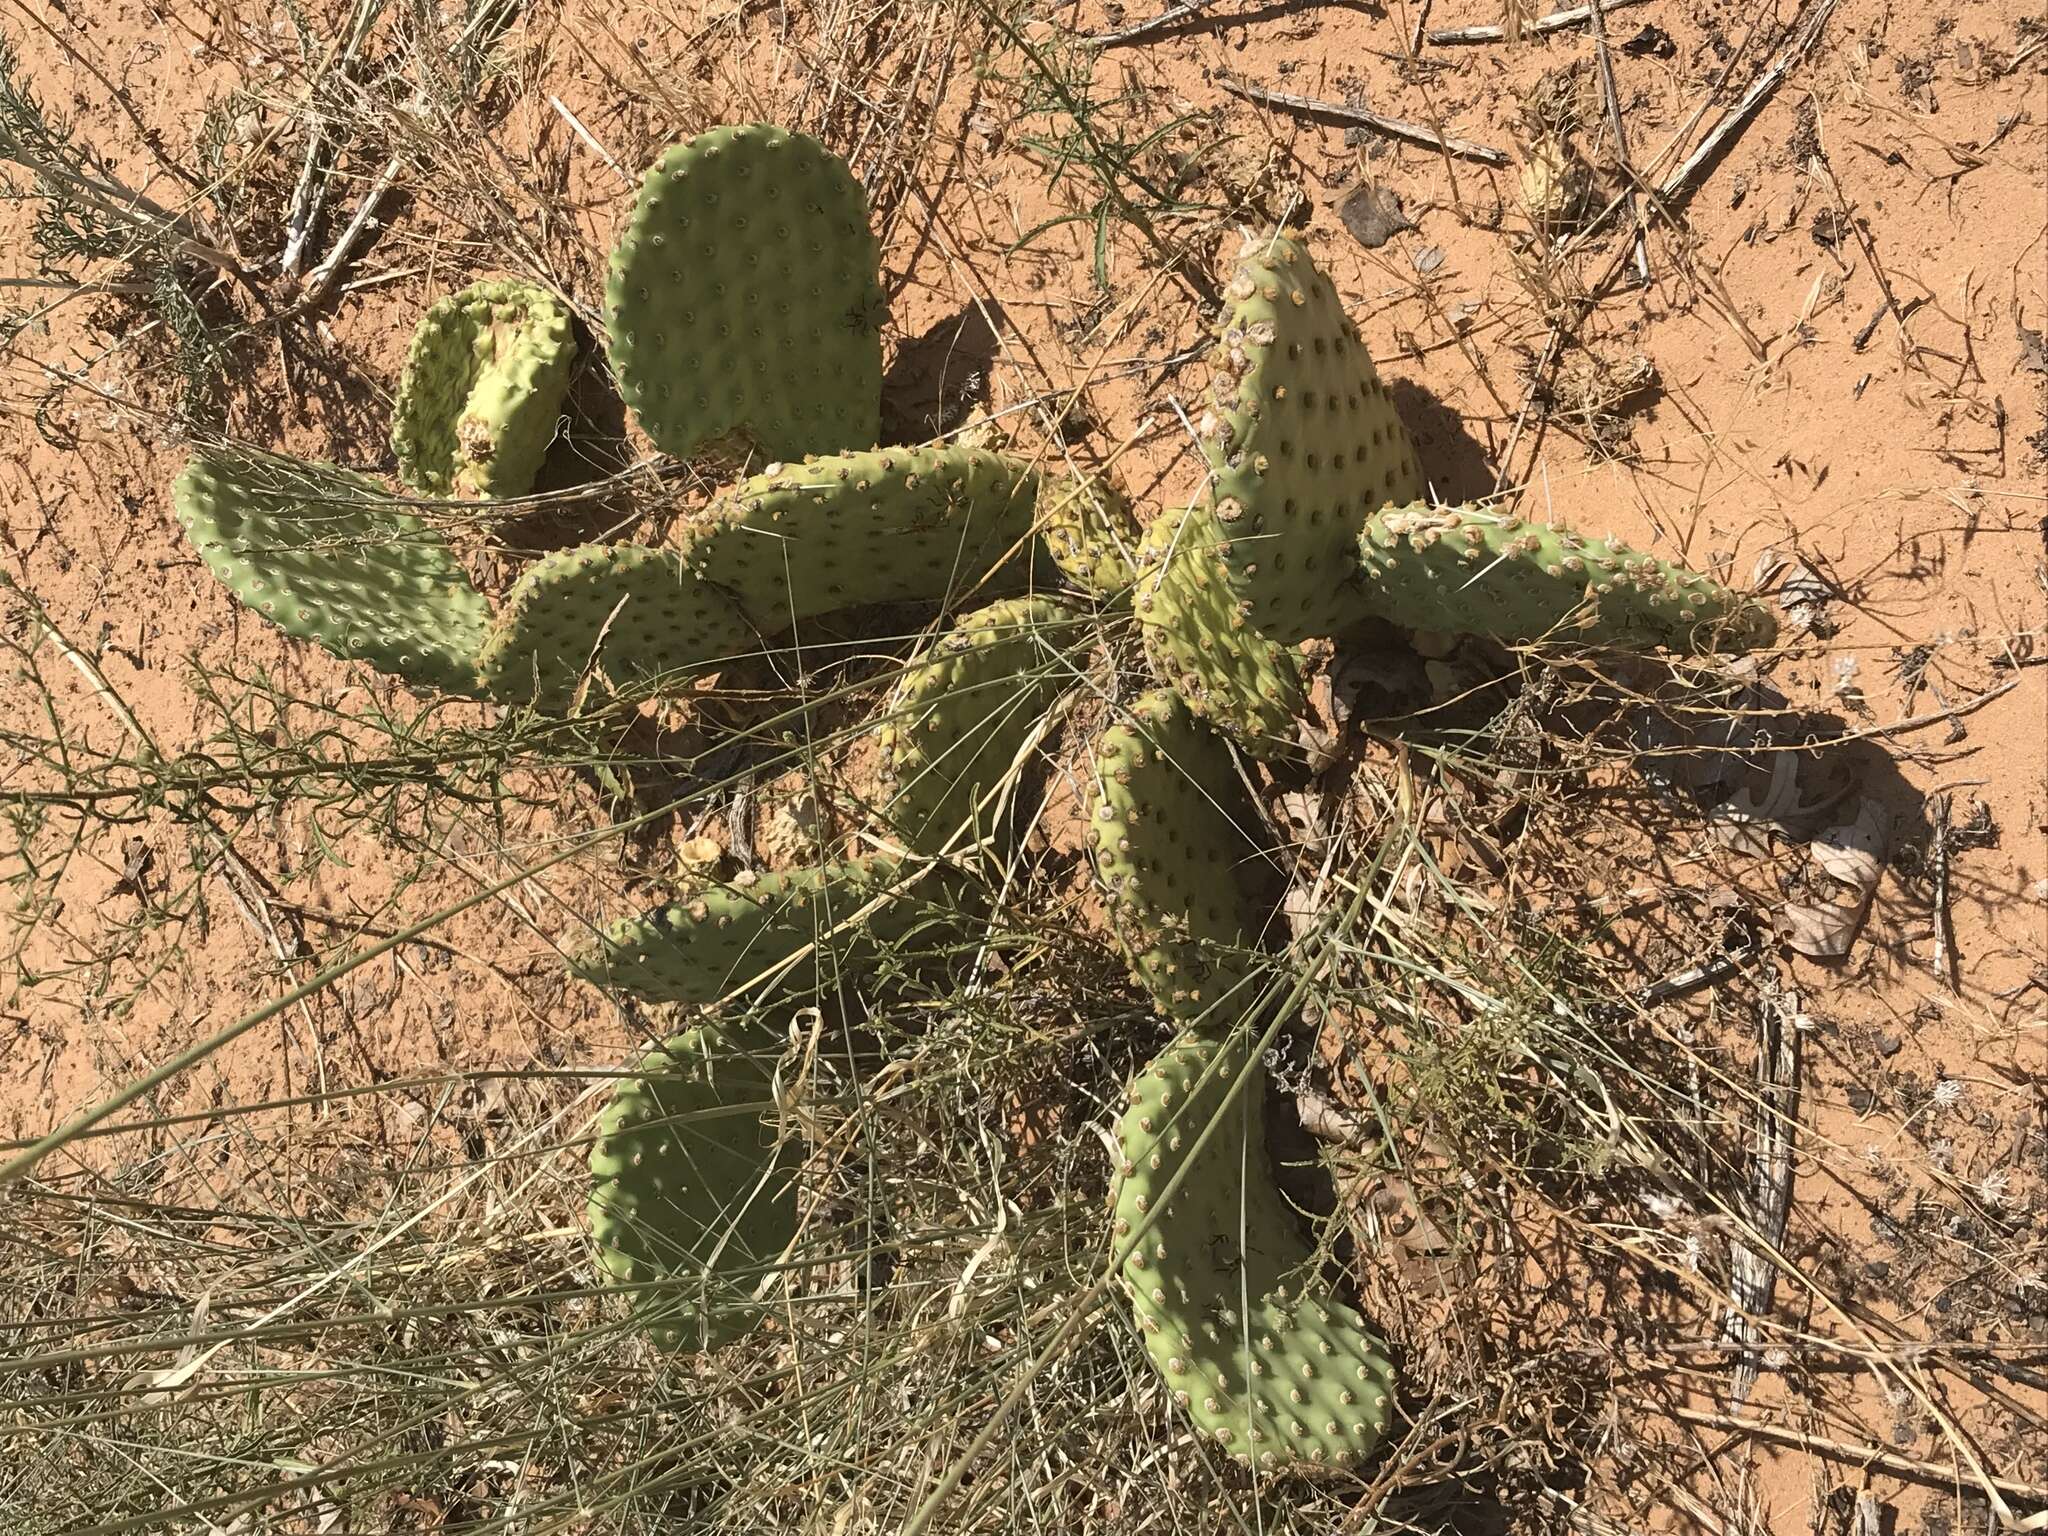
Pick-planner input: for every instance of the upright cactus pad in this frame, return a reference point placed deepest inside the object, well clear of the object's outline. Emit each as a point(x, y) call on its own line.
point(1178, 851)
point(702, 948)
point(1472, 570)
point(693, 1196)
point(482, 391)
point(1199, 641)
point(1303, 444)
point(744, 299)
point(628, 611)
point(960, 715)
point(1251, 1342)
point(896, 524)
point(327, 556)
point(1090, 533)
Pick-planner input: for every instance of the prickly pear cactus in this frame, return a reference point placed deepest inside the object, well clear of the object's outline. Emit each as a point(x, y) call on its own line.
point(1303, 444)
point(702, 948)
point(1178, 849)
point(744, 299)
point(960, 716)
point(848, 529)
point(1251, 1342)
point(324, 554)
point(482, 390)
point(624, 611)
point(1090, 534)
point(1199, 641)
point(1472, 570)
point(693, 1194)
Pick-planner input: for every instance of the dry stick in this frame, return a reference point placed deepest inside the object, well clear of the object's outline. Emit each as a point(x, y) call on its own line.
point(1751, 1275)
point(1605, 57)
point(1151, 24)
point(1867, 1456)
point(1818, 168)
point(1421, 22)
point(323, 275)
point(1358, 117)
point(1805, 32)
point(1555, 21)
point(1943, 961)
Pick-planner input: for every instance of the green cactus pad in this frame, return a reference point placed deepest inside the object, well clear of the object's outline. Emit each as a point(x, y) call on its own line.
point(482, 391)
point(1199, 641)
point(702, 948)
point(1089, 533)
point(1473, 570)
point(636, 613)
point(1173, 834)
point(744, 299)
point(1303, 444)
point(692, 1194)
point(326, 555)
point(896, 524)
point(1251, 1342)
point(962, 713)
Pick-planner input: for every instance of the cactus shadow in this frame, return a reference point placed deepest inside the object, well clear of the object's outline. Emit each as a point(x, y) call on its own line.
point(937, 379)
point(1454, 463)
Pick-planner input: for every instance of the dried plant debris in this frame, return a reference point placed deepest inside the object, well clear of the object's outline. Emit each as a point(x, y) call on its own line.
point(1852, 855)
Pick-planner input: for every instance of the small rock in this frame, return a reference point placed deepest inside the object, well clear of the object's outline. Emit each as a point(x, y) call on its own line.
point(1890, 1046)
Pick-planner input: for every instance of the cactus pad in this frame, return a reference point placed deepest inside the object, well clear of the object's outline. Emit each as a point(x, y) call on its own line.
point(805, 539)
point(1090, 534)
point(1472, 570)
point(1248, 1338)
point(632, 611)
point(962, 713)
point(482, 391)
point(700, 949)
point(1199, 641)
point(1303, 444)
point(692, 1195)
point(1173, 834)
point(743, 297)
point(324, 554)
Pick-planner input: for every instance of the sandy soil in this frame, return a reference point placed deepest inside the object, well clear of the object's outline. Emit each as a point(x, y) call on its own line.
point(1837, 357)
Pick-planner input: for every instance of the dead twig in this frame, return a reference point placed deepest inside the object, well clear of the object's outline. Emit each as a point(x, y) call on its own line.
point(1612, 98)
point(1870, 1457)
point(1943, 960)
point(1751, 1275)
point(322, 276)
point(1358, 117)
point(1556, 21)
point(1138, 30)
point(1805, 32)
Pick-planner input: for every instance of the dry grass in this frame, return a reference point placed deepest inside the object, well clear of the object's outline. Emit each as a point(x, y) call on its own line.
point(364, 1302)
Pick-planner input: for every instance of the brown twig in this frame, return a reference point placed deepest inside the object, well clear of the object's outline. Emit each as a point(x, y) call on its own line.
point(1612, 97)
point(1556, 21)
point(1868, 1456)
point(1752, 1277)
point(1358, 117)
point(1805, 32)
point(1138, 30)
point(1943, 960)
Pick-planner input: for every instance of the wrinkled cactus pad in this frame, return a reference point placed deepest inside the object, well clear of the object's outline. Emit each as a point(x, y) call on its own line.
point(693, 1193)
point(1303, 444)
point(1474, 570)
point(1254, 1346)
point(717, 940)
point(1178, 849)
point(744, 298)
point(848, 529)
point(1090, 533)
point(482, 391)
point(326, 555)
point(1199, 641)
point(623, 611)
point(962, 713)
